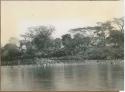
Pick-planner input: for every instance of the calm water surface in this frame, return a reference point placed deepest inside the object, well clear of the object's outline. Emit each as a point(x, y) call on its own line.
point(63, 77)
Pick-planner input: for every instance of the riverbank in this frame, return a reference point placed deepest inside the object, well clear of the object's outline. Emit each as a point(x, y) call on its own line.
point(54, 60)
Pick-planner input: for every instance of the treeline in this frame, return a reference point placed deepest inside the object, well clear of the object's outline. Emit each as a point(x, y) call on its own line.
point(103, 41)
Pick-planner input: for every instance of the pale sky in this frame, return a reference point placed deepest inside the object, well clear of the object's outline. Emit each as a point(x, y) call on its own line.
point(17, 16)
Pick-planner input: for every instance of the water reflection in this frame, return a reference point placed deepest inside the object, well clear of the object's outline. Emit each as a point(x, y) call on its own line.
point(63, 77)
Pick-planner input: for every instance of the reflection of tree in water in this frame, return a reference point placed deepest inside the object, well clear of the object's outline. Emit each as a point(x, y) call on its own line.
point(105, 72)
point(63, 77)
point(112, 74)
point(118, 75)
point(76, 73)
point(44, 78)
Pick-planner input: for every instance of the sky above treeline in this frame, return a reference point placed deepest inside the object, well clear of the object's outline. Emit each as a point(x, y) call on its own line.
point(17, 16)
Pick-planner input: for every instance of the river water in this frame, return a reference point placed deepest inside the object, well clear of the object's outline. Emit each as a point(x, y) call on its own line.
point(62, 77)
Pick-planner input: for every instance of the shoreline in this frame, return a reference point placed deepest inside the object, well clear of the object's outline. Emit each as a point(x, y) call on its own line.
point(49, 62)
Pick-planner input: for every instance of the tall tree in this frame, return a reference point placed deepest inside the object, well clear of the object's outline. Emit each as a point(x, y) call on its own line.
point(40, 36)
point(119, 24)
point(67, 43)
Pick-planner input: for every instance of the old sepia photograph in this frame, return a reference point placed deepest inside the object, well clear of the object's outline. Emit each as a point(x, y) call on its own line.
point(62, 45)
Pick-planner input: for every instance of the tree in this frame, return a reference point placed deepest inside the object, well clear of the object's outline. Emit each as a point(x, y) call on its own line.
point(68, 44)
point(97, 34)
point(10, 51)
point(39, 37)
point(116, 38)
point(119, 24)
point(42, 37)
point(104, 37)
point(80, 43)
point(66, 40)
point(57, 43)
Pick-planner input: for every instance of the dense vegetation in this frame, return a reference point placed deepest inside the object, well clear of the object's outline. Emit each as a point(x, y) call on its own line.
point(104, 41)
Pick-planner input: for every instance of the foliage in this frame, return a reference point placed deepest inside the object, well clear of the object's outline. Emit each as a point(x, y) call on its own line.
point(10, 52)
point(105, 40)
